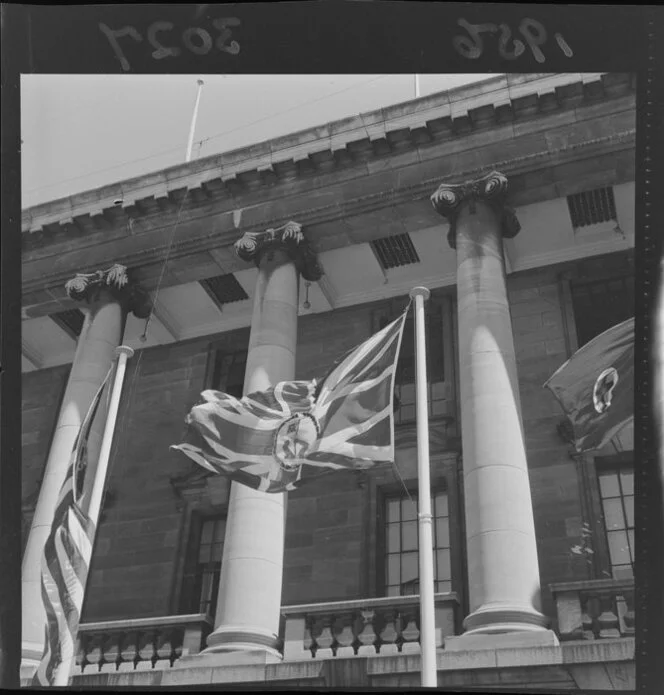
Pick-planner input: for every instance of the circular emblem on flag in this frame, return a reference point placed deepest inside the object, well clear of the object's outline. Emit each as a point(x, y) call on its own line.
point(603, 389)
point(293, 440)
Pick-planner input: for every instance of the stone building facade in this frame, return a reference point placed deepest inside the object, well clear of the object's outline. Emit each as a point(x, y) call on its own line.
point(556, 240)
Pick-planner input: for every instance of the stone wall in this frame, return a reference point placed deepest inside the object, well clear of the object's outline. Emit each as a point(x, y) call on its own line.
point(41, 394)
point(330, 533)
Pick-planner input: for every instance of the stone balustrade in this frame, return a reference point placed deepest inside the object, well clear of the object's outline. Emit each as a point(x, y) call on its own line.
point(139, 645)
point(594, 609)
point(365, 627)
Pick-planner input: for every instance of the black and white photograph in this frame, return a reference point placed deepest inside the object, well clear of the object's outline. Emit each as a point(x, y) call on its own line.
point(333, 378)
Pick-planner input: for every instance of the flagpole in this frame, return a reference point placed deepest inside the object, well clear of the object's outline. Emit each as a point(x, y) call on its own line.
point(190, 142)
point(427, 605)
point(94, 504)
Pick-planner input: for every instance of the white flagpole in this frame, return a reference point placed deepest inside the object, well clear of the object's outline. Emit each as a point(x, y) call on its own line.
point(94, 504)
point(425, 521)
point(97, 489)
point(190, 143)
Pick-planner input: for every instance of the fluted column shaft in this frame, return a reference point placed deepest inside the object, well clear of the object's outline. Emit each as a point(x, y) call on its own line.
point(249, 599)
point(503, 572)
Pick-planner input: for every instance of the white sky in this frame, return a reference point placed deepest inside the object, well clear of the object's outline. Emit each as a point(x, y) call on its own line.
point(81, 132)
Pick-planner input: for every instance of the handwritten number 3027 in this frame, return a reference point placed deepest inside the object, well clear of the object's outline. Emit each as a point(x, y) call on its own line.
point(532, 31)
point(194, 39)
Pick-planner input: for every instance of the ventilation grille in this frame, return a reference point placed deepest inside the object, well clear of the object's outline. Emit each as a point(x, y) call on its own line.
point(394, 251)
point(224, 289)
point(71, 321)
point(592, 207)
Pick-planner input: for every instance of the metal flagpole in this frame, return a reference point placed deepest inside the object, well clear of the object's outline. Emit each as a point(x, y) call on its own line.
point(97, 489)
point(190, 143)
point(427, 607)
point(124, 353)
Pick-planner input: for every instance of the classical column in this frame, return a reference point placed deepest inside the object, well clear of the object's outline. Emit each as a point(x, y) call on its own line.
point(106, 295)
point(503, 572)
point(249, 600)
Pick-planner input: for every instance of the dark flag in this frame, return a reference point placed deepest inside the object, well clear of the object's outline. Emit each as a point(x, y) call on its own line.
point(65, 563)
point(264, 439)
point(595, 387)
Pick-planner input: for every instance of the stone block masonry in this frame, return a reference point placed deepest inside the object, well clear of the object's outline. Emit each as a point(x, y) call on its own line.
point(327, 537)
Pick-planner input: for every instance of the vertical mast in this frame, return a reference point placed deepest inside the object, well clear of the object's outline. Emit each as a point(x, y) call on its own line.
point(427, 607)
point(190, 143)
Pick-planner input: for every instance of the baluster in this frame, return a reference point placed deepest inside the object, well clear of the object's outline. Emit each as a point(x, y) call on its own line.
point(325, 640)
point(178, 642)
point(128, 651)
point(164, 648)
point(308, 641)
point(589, 618)
point(94, 655)
point(410, 634)
point(344, 636)
point(367, 638)
point(111, 651)
point(389, 634)
point(625, 615)
point(146, 650)
point(81, 651)
point(607, 620)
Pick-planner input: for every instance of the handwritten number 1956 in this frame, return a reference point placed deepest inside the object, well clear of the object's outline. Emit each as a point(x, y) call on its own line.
point(194, 39)
point(531, 30)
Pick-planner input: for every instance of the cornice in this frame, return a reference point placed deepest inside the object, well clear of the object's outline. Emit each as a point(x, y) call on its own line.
point(46, 276)
point(316, 151)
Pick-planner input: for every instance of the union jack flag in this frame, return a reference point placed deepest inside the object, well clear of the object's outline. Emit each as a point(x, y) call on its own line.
point(345, 421)
point(65, 563)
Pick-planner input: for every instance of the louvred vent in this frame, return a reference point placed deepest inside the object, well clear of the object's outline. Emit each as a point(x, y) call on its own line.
point(224, 289)
point(592, 207)
point(395, 251)
point(71, 321)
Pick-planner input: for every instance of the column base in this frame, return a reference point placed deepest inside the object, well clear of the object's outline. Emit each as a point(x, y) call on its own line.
point(491, 619)
point(231, 657)
point(242, 639)
point(505, 640)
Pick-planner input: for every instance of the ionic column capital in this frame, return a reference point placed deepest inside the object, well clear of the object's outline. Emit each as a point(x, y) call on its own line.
point(491, 189)
point(289, 238)
point(116, 281)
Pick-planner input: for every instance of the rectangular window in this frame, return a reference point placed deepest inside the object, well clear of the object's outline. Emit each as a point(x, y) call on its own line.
point(404, 383)
point(600, 304)
point(229, 372)
point(616, 488)
point(402, 543)
point(201, 578)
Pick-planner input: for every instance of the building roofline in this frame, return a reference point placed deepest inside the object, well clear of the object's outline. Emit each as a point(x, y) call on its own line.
point(397, 126)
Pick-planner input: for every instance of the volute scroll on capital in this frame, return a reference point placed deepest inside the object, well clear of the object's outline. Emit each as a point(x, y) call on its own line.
point(289, 238)
point(88, 287)
point(491, 188)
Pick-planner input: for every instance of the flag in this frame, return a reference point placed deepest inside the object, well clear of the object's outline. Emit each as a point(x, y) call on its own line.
point(595, 387)
point(65, 563)
point(264, 439)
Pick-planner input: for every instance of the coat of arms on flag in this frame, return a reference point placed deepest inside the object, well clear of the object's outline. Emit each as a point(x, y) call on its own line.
point(595, 387)
point(345, 421)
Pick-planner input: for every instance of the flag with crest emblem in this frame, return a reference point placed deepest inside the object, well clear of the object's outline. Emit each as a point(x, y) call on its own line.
point(595, 387)
point(345, 421)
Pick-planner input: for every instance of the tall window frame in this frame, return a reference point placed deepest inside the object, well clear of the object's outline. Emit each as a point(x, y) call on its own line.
point(202, 569)
point(590, 466)
point(441, 356)
point(201, 494)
